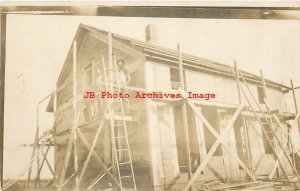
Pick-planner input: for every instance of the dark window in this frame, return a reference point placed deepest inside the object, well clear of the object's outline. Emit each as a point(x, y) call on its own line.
point(175, 78)
point(211, 114)
point(261, 96)
point(242, 145)
point(88, 77)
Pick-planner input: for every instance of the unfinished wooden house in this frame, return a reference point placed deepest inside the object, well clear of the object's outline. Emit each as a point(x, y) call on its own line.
point(163, 144)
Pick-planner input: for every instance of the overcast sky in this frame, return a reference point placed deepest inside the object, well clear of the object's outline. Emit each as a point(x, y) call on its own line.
point(37, 47)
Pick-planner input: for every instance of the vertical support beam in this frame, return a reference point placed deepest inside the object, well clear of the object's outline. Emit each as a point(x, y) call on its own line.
point(34, 150)
point(75, 107)
point(110, 89)
point(237, 82)
point(54, 101)
point(184, 116)
point(245, 129)
point(74, 77)
point(296, 120)
point(37, 145)
point(2, 84)
point(264, 85)
point(295, 101)
point(110, 59)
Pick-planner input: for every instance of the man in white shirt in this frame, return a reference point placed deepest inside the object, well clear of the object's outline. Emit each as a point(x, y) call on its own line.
point(123, 73)
point(124, 78)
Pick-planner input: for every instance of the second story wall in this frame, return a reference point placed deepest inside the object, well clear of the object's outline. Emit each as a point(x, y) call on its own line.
point(225, 88)
point(91, 54)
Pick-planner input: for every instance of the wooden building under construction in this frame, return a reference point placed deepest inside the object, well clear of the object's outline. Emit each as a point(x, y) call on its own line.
point(164, 144)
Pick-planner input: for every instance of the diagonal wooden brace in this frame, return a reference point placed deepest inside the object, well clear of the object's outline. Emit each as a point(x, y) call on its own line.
point(50, 168)
point(282, 152)
point(101, 163)
point(216, 134)
point(214, 148)
point(43, 161)
point(68, 152)
point(66, 162)
point(101, 125)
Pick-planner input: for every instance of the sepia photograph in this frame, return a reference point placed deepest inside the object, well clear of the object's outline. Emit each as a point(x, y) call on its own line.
point(150, 98)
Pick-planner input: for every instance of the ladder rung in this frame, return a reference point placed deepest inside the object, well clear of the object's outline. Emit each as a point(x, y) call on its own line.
point(123, 137)
point(124, 163)
point(110, 69)
point(121, 149)
point(126, 176)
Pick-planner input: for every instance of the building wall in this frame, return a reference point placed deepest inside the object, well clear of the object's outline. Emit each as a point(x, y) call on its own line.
point(156, 141)
point(222, 165)
point(92, 51)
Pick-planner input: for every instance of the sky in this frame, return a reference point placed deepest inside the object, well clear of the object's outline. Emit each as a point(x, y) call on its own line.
point(37, 47)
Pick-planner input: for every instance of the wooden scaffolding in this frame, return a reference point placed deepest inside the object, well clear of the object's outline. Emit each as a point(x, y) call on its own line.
point(117, 120)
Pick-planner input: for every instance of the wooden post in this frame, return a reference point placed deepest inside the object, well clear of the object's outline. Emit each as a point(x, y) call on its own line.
point(237, 82)
point(34, 150)
point(296, 110)
point(75, 107)
point(111, 83)
point(295, 102)
point(264, 86)
point(54, 101)
point(37, 146)
point(184, 116)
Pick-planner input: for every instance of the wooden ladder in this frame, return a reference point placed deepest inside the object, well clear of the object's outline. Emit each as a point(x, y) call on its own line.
point(121, 159)
point(270, 131)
